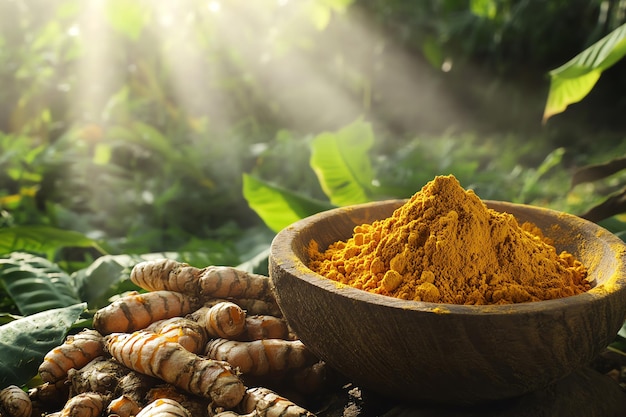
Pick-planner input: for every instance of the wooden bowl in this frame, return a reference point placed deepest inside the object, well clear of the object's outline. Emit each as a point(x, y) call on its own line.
point(446, 353)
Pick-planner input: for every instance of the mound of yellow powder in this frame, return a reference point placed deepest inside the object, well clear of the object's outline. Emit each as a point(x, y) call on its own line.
point(445, 246)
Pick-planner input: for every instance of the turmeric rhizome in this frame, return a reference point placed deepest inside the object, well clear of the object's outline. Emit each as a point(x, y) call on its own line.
point(446, 246)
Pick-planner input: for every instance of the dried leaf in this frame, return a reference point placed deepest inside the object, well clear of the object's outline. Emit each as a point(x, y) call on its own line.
point(615, 204)
point(596, 172)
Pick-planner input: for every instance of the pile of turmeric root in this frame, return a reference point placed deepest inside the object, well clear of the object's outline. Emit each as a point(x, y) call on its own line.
point(207, 342)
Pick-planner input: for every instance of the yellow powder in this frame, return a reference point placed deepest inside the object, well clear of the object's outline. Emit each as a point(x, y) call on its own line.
point(445, 246)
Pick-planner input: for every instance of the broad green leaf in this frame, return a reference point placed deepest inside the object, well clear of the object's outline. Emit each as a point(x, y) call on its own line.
point(278, 207)
point(254, 250)
point(41, 239)
point(7, 318)
point(253, 263)
point(572, 81)
point(342, 164)
point(95, 282)
point(566, 91)
point(24, 342)
point(36, 284)
point(110, 274)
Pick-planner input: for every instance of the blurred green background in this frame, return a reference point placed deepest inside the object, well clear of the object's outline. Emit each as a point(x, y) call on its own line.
point(132, 122)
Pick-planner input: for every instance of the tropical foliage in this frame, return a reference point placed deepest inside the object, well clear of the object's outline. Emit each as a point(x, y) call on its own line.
point(572, 81)
point(195, 130)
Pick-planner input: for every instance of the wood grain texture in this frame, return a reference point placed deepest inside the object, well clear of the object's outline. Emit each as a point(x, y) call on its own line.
point(446, 353)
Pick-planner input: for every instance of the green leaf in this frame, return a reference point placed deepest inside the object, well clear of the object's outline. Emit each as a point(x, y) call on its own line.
point(278, 207)
point(36, 284)
point(533, 176)
point(94, 284)
point(572, 81)
point(342, 164)
point(253, 263)
point(24, 342)
point(566, 91)
point(110, 274)
point(41, 239)
point(7, 318)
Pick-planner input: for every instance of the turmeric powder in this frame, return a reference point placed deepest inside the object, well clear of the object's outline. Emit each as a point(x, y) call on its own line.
point(446, 246)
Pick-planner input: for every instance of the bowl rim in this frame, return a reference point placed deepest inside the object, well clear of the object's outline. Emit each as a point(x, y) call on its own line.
point(284, 257)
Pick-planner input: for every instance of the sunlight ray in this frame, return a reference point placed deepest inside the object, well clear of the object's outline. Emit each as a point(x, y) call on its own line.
point(96, 71)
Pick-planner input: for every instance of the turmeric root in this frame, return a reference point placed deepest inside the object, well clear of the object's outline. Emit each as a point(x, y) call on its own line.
point(165, 274)
point(157, 356)
point(14, 402)
point(123, 406)
point(164, 407)
point(148, 350)
point(107, 376)
point(197, 406)
point(261, 357)
point(266, 403)
point(209, 282)
point(264, 327)
point(263, 402)
point(88, 404)
point(253, 306)
point(188, 333)
point(101, 375)
point(225, 281)
point(49, 396)
point(222, 319)
point(75, 352)
point(137, 311)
